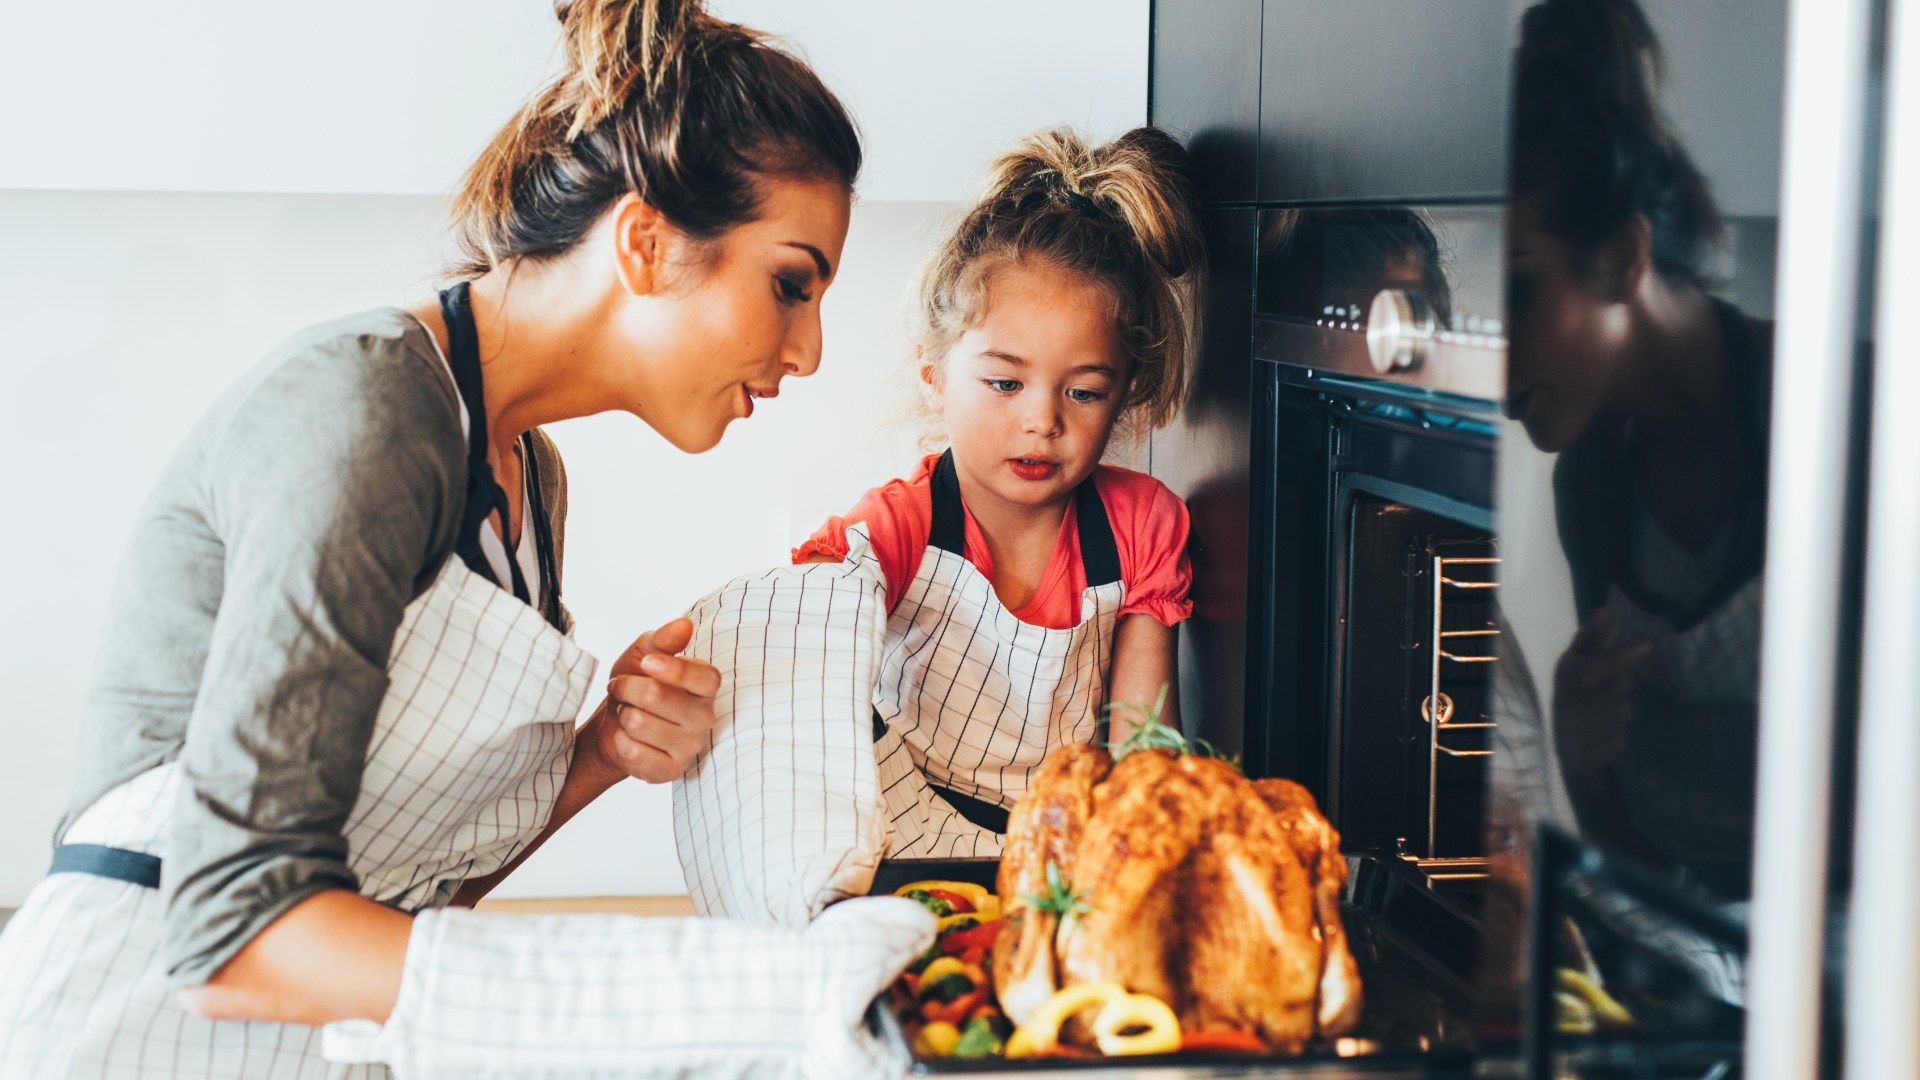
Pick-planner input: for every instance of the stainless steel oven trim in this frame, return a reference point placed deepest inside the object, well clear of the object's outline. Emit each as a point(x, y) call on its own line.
point(1883, 953)
point(1816, 295)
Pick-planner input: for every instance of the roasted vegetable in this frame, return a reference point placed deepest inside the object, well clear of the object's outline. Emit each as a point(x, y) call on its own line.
point(937, 1039)
point(1214, 1039)
point(980, 1039)
point(975, 894)
point(1136, 1024)
point(945, 988)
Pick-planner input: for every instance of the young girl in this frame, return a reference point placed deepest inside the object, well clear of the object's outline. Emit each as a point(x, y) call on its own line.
point(1027, 584)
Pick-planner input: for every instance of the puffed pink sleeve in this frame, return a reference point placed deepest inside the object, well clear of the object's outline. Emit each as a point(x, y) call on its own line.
point(1150, 531)
point(897, 528)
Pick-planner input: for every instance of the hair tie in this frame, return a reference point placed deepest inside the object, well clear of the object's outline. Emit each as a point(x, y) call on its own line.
point(1082, 203)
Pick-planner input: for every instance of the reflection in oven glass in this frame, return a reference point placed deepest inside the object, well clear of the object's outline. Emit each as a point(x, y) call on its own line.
point(1644, 391)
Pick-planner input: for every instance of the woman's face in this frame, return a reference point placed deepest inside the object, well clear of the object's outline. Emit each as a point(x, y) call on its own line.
point(724, 321)
point(1567, 338)
point(1030, 395)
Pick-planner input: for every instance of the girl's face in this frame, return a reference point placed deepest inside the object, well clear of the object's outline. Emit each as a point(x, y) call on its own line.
point(1031, 394)
point(737, 315)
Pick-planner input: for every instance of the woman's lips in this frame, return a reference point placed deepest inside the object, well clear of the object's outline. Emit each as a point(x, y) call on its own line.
point(1033, 468)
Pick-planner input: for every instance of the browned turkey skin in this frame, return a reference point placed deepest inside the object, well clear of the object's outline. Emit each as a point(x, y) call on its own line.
point(1216, 894)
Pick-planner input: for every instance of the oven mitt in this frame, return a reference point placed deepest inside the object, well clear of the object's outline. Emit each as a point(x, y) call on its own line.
point(783, 815)
point(601, 996)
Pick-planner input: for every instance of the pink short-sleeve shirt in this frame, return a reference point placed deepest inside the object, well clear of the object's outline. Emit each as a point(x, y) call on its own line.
point(1149, 530)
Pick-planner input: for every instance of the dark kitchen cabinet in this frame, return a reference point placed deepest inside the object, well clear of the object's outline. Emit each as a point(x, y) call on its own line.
point(1206, 89)
point(1400, 100)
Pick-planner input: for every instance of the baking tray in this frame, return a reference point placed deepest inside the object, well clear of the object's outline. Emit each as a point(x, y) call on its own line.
point(1417, 1021)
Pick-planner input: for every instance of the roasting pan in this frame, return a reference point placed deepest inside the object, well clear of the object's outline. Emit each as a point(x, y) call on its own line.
point(1418, 1020)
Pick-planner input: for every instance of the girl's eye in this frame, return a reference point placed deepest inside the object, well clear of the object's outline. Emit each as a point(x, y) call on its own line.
point(1005, 386)
point(1085, 396)
point(791, 292)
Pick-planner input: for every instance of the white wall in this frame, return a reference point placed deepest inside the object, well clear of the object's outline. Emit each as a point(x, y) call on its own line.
point(388, 97)
point(241, 170)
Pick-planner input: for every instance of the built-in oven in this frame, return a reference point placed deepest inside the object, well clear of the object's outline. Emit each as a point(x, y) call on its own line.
point(1378, 361)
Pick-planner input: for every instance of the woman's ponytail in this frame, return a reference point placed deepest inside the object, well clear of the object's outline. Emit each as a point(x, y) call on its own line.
point(660, 99)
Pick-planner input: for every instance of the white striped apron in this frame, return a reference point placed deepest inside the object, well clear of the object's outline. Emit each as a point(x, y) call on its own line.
point(970, 699)
point(468, 755)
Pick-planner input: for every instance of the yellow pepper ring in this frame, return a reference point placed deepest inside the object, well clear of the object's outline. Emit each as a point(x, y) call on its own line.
point(1041, 1032)
point(1162, 1034)
point(976, 894)
point(939, 969)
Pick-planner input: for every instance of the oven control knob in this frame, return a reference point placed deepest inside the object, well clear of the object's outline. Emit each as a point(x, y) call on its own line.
point(1399, 329)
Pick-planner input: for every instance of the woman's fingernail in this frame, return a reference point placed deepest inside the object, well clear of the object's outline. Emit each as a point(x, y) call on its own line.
point(653, 664)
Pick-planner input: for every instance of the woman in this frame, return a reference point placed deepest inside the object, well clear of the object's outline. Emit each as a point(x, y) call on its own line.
point(1654, 393)
point(336, 683)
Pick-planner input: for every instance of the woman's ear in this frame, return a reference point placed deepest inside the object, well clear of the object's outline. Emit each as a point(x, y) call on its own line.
point(933, 389)
point(1626, 259)
point(640, 244)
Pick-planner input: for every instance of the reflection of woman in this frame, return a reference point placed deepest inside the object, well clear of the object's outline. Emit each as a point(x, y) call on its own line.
point(1312, 259)
point(1655, 395)
point(337, 681)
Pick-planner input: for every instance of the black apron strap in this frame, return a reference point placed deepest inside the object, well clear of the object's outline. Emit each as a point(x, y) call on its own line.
point(989, 816)
point(484, 495)
point(1098, 555)
point(119, 864)
point(949, 513)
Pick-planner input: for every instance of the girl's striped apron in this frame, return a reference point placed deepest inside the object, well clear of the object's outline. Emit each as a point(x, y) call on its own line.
point(970, 699)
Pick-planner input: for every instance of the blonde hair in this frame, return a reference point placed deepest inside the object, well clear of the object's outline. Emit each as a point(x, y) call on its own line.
point(1122, 215)
point(660, 99)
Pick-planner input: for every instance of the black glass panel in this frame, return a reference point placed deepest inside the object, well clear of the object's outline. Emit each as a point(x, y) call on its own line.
point(1633, 489)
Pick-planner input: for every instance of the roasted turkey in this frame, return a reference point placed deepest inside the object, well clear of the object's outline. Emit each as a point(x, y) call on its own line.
point(1217, 894)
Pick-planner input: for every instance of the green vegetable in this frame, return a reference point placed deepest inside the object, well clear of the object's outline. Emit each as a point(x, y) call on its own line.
point(935, 904)
point(979, 1040)
point(1060, 899)
point(1151, 734)
point(946, 988)
point(920, 963)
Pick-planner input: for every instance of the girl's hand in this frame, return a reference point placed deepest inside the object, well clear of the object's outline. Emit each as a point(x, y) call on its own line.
point(659, 708)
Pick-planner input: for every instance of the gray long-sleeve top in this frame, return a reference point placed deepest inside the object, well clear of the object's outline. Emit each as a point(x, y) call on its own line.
point(249, 626)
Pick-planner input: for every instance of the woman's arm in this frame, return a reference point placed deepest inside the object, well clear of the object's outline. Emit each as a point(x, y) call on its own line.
point(334, 956)
point(1144, 660)
point(338, 955)
point(654, 723)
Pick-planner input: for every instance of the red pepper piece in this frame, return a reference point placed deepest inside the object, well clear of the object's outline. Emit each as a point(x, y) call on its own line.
point(976, 937)
point(961, 905)
point(1222, 1039)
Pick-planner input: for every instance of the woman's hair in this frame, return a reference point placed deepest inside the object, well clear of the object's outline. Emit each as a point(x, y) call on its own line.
point(1591, 146)
point(660, 99)
point(1313, 258)
point(1121, 215)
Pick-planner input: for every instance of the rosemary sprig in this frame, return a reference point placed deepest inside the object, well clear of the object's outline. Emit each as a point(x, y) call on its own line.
point(1150, 734)
point(1060, 900)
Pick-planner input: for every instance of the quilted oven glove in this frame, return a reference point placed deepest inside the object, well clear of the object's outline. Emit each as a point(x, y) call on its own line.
point(570, 996)
point(783, 815)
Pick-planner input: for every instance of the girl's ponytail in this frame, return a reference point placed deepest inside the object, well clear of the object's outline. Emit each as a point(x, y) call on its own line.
point(1123, 215)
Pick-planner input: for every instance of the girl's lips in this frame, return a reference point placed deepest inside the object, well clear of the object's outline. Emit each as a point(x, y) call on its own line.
point(1033, 470)
point(747, 396)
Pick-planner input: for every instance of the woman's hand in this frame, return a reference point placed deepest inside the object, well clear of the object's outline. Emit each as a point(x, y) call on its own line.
point(659, 708)
point(1593, 696)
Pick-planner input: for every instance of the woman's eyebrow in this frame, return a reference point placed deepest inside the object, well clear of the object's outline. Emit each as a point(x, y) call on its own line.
point(819, 261)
